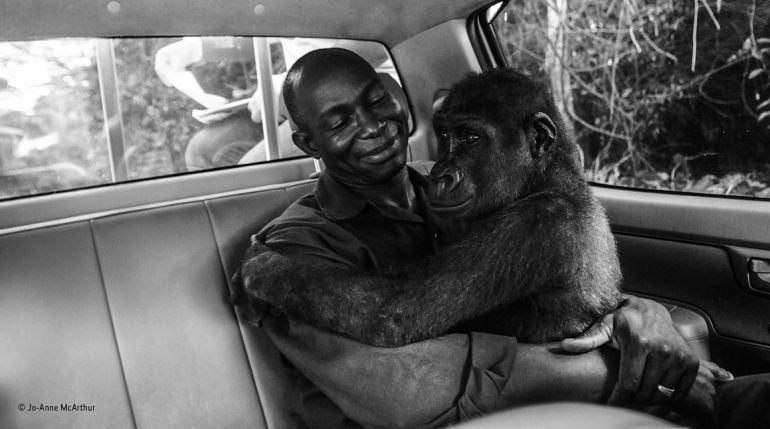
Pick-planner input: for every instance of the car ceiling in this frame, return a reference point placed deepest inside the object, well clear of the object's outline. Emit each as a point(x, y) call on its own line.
point(389, 21)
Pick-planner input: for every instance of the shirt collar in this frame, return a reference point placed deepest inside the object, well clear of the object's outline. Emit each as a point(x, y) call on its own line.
point(337, 202)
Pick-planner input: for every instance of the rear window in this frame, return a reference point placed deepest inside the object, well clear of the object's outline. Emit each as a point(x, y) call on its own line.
point(84, 112)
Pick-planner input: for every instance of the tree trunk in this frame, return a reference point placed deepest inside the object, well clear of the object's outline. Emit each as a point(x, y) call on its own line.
point(555, 59)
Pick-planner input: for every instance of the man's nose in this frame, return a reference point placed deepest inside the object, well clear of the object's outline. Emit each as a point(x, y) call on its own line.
point(369, 125)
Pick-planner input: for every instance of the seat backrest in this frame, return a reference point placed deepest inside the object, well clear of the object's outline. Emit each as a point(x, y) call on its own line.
point(129, 316)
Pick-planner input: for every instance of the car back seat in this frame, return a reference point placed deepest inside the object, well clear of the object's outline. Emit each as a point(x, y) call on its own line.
point(129, 314)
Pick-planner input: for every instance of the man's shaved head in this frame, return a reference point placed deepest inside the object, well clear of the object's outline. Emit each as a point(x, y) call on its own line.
point(346, 116)
point(312, 68)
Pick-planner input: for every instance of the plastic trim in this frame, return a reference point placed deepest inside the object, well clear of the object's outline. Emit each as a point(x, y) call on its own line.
point(687, 217)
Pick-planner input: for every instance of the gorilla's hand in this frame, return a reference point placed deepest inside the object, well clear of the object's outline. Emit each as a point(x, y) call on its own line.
point(249, 289)
point(652, 352)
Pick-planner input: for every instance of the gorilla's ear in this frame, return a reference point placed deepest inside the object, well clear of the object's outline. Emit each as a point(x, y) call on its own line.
point(303, 141)
point(541, 132)
point(438, 98)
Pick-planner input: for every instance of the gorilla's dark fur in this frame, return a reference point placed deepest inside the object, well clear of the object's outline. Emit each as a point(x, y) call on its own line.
point(530, 252)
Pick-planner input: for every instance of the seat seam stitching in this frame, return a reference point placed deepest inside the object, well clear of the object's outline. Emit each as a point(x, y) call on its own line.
point(233, 310)
point(112, 322)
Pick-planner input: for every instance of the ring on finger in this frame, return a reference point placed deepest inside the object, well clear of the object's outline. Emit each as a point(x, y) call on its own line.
point(666, 391)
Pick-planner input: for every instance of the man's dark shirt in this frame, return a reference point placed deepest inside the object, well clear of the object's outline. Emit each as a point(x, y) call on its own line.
point(428, 383)
point(336, 225)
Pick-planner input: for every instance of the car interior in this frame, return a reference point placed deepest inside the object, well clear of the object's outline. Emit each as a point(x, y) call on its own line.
point(117, 296)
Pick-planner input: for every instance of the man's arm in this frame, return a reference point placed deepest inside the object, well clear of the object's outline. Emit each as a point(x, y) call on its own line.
point(455, 377)
point(171, 63)
point(436, 382)
point(652, 352)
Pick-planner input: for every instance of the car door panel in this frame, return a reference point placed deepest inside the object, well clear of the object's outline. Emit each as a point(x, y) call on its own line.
point(694, 251)
point(700, 277)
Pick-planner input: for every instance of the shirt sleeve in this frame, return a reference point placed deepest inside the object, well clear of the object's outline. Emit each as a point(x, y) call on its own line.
point(431, 383)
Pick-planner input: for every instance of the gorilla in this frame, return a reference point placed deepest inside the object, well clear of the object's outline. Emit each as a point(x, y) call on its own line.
point(526, 248)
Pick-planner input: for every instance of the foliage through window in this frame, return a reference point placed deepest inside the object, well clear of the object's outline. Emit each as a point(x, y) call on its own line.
point(173, 105)
point(661, 95)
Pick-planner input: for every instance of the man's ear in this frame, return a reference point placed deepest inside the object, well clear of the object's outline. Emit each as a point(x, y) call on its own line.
point(303, 141)
point(541, 132)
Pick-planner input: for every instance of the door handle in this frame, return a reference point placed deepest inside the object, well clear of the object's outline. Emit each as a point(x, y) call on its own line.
point(759, 274)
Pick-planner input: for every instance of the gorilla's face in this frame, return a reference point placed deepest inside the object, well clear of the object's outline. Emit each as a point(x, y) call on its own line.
point(494, 145)
point(479, 168)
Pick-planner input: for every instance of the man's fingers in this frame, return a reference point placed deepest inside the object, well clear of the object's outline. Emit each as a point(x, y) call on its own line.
point(668, 388)
point(689, 371)
point(633, 358)
point(583, 344)
point(717, 371)
point(684, 385)
point(596, 336)
point(655, 374)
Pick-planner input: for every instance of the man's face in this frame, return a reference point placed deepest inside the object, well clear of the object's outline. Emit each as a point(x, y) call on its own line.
point(354, 124)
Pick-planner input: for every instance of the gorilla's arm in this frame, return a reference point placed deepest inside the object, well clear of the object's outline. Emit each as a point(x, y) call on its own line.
point(425, 298)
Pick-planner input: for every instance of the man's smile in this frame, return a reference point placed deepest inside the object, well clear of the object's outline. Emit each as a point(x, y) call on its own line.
point(382, 153)
point(386, 150)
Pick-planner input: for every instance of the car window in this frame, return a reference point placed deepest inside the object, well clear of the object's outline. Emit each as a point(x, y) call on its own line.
point(85, 112)
point(659, 95)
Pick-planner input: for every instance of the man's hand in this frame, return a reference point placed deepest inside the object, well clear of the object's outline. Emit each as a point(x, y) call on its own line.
point(698, 408)
point(255, 106)
point(652, 353)
point(255, 101)
point(699, 405)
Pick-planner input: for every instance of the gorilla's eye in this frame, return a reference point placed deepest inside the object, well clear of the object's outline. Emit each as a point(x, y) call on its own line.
point(444, 137)
point(472, 138)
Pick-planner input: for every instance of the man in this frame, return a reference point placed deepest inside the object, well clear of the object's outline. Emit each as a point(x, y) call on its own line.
point(368, 209)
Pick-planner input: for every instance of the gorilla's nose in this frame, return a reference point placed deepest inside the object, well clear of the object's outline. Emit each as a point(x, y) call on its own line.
point(445, 183)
